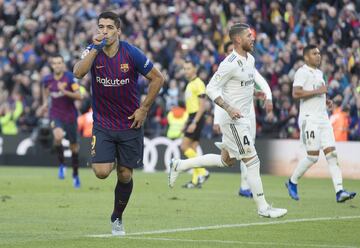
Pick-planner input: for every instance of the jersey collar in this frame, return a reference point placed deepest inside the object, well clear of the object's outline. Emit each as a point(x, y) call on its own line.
point(310, 68)
point(241, 57)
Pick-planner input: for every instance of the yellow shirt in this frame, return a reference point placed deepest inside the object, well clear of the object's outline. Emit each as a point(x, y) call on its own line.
point(193, 90)
point(177, 118)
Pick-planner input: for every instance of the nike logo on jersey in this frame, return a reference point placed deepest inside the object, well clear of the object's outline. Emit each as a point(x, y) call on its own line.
point(146, 63)
point(99, 66)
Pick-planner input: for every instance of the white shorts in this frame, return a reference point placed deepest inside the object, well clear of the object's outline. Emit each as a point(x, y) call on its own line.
point(252, 127)
point(316, 135)
point(238, 140)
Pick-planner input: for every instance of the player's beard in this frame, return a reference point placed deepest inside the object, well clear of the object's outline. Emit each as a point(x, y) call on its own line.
point(58, 72)
point(247, 48)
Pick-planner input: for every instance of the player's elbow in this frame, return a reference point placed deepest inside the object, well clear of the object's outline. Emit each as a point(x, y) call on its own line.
point(210, 93)
point(161, 80)
point(295, 95)
point(77, 72)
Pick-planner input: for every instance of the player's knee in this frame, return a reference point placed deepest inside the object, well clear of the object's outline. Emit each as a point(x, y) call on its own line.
point(330, 155)
point(331, 151)
point(102, 171)
point(226, 160)
point(229, 162)
point(313, 158)
point(183, 147)
point(251, 161)
point(101, 174)
point(124, 174)
point(58, 134)
point(74, 148)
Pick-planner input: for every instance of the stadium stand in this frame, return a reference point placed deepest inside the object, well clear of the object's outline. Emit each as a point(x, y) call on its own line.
point(168, 31)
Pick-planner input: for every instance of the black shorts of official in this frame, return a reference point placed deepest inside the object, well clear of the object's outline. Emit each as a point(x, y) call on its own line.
point(127, 146)
point(70, 130)
point(199, 126)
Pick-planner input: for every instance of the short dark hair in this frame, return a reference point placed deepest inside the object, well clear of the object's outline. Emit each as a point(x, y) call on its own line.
point(181, 103)
point(110, 15)
point(227, 45)
point(189, 60)
point(237, 28)
point(308, 48)
point(56, 55)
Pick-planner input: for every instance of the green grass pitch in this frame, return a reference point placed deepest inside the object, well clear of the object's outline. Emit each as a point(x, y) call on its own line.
point(38, 210)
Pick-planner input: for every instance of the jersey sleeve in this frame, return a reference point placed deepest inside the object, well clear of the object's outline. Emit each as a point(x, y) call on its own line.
point(299, 78)
point(217, 113)
point(219, 79)
point(261, 82)
point(142, 63)
point(74, 86)
point(45, 81)
point(86, 51)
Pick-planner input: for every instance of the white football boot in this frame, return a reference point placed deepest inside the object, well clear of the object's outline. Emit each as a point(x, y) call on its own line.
point(271, 212)
point(117, 228)
point(173, 173)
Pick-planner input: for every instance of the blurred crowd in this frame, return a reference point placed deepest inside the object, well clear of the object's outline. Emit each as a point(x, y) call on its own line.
point(170, 31)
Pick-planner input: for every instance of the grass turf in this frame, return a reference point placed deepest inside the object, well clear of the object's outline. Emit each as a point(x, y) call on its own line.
point(38, 210)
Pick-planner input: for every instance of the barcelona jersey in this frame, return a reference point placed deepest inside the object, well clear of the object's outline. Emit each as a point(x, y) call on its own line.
point(115, 91)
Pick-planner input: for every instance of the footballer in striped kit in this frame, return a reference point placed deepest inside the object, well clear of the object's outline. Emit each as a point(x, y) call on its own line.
point(118, 138)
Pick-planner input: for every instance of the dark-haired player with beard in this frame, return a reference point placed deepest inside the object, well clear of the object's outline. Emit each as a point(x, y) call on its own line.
point(263, 92)
point(232, 88)
point(118, 114)
point(59, 94)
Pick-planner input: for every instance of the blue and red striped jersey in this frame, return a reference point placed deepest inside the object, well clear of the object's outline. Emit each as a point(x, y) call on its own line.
point(115, 91)
point(61, 107)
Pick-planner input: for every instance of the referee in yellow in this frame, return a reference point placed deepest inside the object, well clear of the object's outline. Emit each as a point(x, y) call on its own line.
point(195, 106)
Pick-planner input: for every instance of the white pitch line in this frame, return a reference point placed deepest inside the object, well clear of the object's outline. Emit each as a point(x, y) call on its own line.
point(274, 244)
point(187, 229)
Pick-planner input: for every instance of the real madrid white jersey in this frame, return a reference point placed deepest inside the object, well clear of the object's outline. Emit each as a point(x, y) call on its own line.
point(234, 82)
point(313, 107)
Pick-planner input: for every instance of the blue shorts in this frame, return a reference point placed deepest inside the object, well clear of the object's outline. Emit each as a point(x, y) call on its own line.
point(127, 146)
point(70, 130)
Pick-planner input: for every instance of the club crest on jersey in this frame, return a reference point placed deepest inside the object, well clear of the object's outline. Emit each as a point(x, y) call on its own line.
point(248, 150)
point(217, 77)
point(93, 143)
point(124, 67)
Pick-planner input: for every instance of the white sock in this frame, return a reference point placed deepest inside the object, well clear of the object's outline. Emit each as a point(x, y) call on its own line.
point(243, 184)
point(335, 170)
point(208, 160)
point(302, 167)
point(254, 180)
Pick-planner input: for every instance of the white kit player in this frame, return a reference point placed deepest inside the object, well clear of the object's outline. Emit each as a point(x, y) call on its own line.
point(244, 190)
point(316, 130)
point(232, 88)
point(264, 93)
